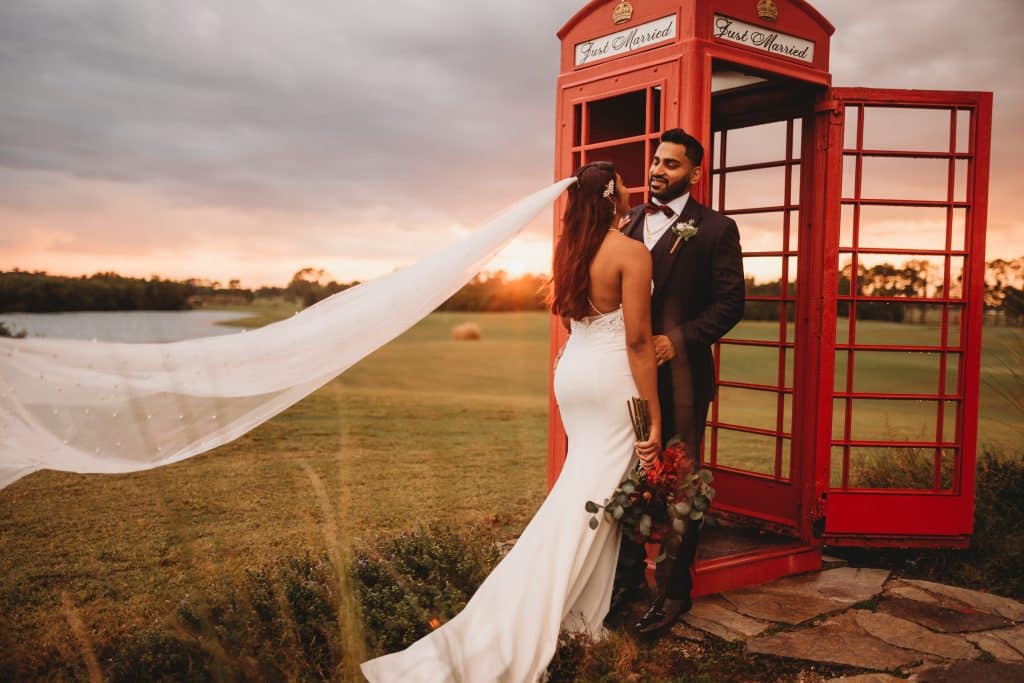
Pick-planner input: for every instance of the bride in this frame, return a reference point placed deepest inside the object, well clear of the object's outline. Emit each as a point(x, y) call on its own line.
point(559, 573)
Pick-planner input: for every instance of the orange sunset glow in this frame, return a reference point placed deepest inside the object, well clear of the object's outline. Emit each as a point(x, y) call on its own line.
point(190, 152)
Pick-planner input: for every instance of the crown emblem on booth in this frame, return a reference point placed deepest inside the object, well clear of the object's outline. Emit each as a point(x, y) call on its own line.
point(767, 9)
point(623, 13)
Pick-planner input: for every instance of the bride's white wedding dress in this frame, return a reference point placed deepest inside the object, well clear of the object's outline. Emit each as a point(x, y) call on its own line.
point(559, 573)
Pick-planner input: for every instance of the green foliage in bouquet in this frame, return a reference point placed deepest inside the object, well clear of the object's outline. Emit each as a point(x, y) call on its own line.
point(658, 501)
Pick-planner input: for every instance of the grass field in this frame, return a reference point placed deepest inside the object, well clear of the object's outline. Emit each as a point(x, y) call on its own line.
point(425, 429)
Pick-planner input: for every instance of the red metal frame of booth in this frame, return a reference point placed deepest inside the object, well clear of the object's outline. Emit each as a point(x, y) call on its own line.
point(796, 492)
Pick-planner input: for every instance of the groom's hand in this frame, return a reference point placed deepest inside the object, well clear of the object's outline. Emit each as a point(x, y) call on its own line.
point(664, 351)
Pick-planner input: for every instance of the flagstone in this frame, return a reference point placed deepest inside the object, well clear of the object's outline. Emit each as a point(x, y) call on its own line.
point(784, 607)
point(995, 646)
point(939, 618)
point(975, 672)
point(796, 599)
point(840, 640)
point(845, 584)
point(986, 602)
point(911, 636)
point(716, 616)
point(902, 590)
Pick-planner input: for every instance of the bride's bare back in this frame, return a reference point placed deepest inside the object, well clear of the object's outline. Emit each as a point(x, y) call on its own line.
point(618, 262)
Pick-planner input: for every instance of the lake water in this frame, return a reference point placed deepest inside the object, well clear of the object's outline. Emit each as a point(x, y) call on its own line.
point(124, 326)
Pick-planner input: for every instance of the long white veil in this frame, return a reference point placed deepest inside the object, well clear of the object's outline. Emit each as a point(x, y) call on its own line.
point(103, 407)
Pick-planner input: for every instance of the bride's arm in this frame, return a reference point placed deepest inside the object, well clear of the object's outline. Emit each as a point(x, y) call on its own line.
point(636, 312)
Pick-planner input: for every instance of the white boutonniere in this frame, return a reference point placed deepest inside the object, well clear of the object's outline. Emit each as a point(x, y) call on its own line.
point(683, 232)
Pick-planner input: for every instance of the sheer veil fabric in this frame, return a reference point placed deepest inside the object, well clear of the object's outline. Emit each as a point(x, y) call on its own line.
point(87, 407)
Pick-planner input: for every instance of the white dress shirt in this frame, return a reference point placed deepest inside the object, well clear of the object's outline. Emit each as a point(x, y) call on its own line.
point(655, 224)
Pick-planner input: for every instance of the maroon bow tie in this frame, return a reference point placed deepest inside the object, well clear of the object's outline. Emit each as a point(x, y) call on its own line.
point(651, 207)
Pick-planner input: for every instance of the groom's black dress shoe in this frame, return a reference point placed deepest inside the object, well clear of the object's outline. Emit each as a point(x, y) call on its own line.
point(662, 613)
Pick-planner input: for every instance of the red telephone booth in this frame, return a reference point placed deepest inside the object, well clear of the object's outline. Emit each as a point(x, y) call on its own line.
point(862, 215)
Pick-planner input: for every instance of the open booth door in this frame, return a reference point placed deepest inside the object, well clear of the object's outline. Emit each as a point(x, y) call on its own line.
point(905, 215)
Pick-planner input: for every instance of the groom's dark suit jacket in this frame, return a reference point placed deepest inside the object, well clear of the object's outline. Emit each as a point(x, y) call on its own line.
point(698, 297)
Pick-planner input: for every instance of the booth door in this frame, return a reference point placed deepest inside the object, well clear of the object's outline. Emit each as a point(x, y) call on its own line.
point(618, 119)
point(753, 439)
point(906, 235)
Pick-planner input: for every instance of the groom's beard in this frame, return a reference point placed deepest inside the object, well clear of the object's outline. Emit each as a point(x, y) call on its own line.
point(673, 191)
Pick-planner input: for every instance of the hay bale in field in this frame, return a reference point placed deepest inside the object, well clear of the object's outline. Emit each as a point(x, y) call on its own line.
point(466, 332)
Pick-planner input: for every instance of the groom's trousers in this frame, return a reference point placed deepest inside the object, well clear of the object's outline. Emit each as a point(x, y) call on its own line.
point(673, 574)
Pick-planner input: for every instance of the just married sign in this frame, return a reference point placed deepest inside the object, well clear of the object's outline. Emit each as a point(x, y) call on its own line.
point(657, 31)
point(733, 30)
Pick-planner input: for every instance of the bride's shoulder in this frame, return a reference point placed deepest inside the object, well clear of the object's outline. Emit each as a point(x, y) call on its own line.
point(628, 247)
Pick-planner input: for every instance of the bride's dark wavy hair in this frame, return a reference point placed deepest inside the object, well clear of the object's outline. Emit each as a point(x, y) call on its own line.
point(588, 216)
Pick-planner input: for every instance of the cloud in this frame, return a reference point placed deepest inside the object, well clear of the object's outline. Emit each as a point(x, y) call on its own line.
point(370, 132)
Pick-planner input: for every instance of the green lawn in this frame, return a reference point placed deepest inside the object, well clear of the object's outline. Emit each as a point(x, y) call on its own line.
point(425, 429)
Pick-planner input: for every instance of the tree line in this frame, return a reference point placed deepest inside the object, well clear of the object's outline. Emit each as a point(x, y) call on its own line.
point(39, 292)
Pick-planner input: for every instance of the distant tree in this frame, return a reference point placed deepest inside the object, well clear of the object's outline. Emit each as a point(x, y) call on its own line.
point(306, 286)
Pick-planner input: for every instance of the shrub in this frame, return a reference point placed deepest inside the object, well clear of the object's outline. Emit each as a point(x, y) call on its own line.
point(280, 624)
point(418, 577)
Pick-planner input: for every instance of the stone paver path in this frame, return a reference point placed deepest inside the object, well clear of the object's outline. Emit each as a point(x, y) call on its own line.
point(893, 629)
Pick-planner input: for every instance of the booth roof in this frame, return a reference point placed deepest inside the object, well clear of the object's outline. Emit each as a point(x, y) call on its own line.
point(593, 5)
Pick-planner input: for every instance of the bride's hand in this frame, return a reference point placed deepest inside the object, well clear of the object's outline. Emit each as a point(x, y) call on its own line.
point(648, 452)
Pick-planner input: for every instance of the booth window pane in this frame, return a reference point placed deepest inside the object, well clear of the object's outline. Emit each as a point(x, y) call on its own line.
point(948, 469)
point(748, 452)
point(959, 230)
point(849, 177)
point(760, 188)
point(894, 420)
point(836, 467)
point(850, 128)
point(895, 372)
point(960, 178)
point(764, 231)
point(577, 125)
point(846, 226)
point(753, 328)
point(963, 131)
point(838, 419)
point(656, 109)
point(762, 143)
point(764, 276)
point(905, 178)
point(952, 374)
point(617, 117)
point(924, 227)
point(752, 364)
point(897, 468)
point(576, 161)
point(916, 129)
point(749, 408)
point(950, 420)
point(628, 159)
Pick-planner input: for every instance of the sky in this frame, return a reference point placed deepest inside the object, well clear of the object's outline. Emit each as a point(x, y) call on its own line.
point(248, 139)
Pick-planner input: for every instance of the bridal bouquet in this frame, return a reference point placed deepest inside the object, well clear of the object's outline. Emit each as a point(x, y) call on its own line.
point(659, 500)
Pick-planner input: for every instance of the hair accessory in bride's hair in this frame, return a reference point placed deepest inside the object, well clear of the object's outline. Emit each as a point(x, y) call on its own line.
point(610, 189)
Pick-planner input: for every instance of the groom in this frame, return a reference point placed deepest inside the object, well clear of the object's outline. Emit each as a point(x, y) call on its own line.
point(697, 298)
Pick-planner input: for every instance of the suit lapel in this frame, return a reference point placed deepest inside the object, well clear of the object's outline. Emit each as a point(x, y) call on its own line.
point(662, 260)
